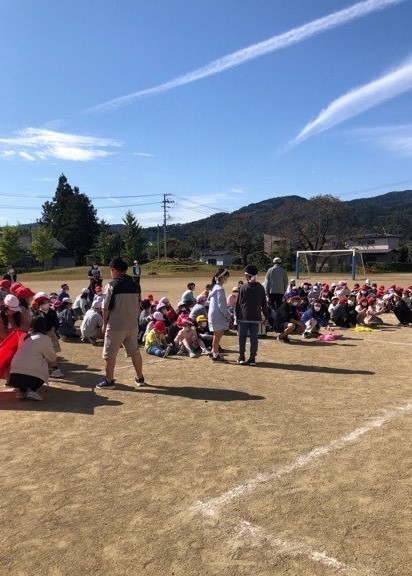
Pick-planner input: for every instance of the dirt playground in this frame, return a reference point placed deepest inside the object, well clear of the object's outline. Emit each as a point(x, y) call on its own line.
point(300, 466)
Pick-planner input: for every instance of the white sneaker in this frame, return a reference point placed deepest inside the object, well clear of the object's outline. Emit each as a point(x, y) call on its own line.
point(205, 352)
point(32, 395)
point(20, 395)
point(192, 354)
point(56, 374)
point(167, 351)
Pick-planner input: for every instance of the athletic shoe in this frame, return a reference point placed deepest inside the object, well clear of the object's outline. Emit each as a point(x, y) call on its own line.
point(20, 395)
point(205, 352)
point(167, 351)
point(192, 354)
point(32, 395)
point(140, 381)
point(218, 358)
point(181, 351)
point(251, 362)
point(306, 335)
point(106, 384)
point(284, 339)
point(241, 360)
point(56, 374)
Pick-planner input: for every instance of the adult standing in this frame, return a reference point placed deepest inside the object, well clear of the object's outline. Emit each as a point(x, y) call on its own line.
point(250, 305)
point(276, 283)
point(219, 316)
point(120, 311)
point(136, 273)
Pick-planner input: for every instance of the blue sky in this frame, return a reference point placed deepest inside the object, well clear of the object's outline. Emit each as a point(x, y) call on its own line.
point(219, 103)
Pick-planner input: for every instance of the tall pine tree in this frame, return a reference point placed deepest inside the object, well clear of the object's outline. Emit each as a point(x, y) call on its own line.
point(134, 241)
point(72, 219)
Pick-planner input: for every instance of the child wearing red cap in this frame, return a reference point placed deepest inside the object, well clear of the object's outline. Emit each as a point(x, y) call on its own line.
point(156, 342)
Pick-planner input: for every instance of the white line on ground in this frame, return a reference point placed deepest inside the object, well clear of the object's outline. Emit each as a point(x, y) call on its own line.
point(389, 342)
point(247, 534)
point(211, 507)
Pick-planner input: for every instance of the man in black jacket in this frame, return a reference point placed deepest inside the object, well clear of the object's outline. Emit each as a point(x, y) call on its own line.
point(120, 307)
point(250, 305)
point(287, 319)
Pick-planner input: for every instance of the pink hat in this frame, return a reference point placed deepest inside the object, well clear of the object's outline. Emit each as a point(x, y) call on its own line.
point(12, 302)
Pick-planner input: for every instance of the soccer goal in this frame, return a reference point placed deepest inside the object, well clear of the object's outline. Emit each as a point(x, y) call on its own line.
point(343, 261)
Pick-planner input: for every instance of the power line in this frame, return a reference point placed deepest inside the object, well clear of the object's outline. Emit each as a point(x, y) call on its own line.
point(113, 206)
point(95, 197)
point(376, 187)
point(198, 204)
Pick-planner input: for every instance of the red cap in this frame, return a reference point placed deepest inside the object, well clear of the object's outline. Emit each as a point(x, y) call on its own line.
point(23, 292)
point(5, 283)
point(14, 287)
point(159, 326)
point(342, 300)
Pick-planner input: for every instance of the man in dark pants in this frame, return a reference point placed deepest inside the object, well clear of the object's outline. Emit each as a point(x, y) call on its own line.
point(120, 307)
point(250, 305)
point(136, 273)
point(287, 319)
point(276, 283)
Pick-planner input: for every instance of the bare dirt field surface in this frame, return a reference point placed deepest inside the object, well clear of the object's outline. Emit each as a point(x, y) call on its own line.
point(300, 466)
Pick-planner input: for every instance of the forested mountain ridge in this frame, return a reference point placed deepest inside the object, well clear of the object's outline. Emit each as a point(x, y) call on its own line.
point(389, 213)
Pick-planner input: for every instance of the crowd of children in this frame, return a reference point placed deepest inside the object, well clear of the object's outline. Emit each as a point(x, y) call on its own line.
point(192, 328)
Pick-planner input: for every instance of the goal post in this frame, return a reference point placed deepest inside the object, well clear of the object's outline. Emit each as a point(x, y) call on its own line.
point(351, 252)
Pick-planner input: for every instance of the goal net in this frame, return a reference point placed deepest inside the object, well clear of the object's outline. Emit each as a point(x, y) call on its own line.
point(346, 262)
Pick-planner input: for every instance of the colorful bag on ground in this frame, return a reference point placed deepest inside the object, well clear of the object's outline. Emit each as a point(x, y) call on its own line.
point(8, 348)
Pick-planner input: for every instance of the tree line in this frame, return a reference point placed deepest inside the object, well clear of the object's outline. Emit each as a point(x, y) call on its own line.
point(71, 218)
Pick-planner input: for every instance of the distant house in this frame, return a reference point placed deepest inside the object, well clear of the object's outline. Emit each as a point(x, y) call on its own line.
point(273, 243)
point(216, 258)
point(376, 248)
point(61, 259)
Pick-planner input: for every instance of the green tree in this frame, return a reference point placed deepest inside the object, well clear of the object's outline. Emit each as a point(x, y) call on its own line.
point(134, 241)
point(42, 247)
point(107, 245)
point(259, 259)
point(320, 223)
point(239, 238)
point(10, 248)
point(178, 249)
point(71, 218)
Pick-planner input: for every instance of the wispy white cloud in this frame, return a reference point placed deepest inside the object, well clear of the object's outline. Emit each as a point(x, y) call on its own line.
point(143, 154)
point(45, 179)
point(396, 139)
point(27, 156)
point(359, 100)
point(46, 144)
point(273, 44)
point(7, 153)
point(237, 191)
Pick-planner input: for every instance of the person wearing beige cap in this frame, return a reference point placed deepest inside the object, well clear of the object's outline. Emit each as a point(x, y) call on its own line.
point(276, 283)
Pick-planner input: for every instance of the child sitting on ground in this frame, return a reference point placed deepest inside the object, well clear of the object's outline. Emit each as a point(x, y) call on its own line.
point(155, 342)
point(188, 340)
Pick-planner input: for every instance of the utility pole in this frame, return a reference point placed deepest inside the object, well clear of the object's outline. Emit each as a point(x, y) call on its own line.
point(165, 203)
point(158, 242)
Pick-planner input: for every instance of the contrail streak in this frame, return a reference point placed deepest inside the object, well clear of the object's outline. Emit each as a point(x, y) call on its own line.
point(255, 50)
point(358, 100)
